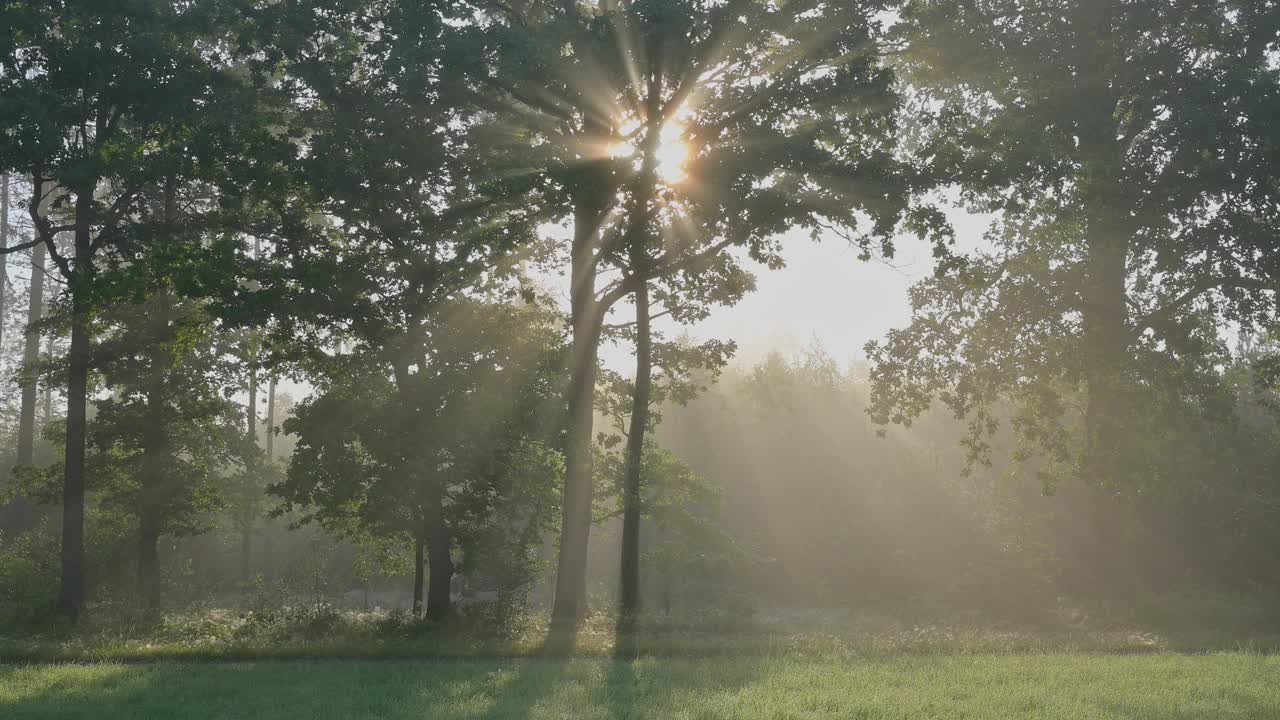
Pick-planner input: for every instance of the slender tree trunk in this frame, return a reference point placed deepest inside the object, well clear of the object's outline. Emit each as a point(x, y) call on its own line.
point(575, 527)
point(264, 560)
point(71, 596)
point(46, 412)
point(252, 407)
point(439, 560)
point(638, 234)
point(271, 418)
point(418, 562)
point(251, 429)
point(631, 489)
point(30, 358)
point(155, 453)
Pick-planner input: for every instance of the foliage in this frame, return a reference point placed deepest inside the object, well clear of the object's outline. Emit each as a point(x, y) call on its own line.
point(1124, 155)
point(376, 454)
point(202, 440)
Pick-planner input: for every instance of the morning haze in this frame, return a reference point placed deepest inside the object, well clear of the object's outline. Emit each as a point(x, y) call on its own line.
point(639, 358)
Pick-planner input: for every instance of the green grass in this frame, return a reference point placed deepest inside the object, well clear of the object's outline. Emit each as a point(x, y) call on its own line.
point(990, 687)
point(313, 633)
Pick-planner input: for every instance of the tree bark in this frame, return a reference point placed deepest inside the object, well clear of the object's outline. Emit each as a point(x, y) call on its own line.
point(71, 596)
point(30, 358)
point(439, 560)
point(631, 488)
point(149, 557)
point(575, 527)
point(418, 562)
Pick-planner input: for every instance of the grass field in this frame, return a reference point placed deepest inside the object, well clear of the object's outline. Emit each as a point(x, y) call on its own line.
point(990, 687)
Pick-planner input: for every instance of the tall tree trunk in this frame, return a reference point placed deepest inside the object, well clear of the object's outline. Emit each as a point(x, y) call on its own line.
point(71, 595)
point(251, 410)
point(638, 234)
point(1103, 195)
point(439, 560)
point(30, 358)
point(271, 418)
point(418, 561)
point(264, 560)
point(575, 527)
point(155, 453)
point(631, 489)
point(251, 430)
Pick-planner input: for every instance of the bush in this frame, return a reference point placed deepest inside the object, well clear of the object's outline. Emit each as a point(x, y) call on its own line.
point(29, 565)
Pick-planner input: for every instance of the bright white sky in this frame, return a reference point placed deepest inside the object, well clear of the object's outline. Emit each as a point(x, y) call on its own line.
point(825, 293)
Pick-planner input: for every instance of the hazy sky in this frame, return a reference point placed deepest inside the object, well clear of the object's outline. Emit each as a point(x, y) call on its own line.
point(825, 293)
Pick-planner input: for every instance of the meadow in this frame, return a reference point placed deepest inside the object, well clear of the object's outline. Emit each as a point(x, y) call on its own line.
point(990, 687)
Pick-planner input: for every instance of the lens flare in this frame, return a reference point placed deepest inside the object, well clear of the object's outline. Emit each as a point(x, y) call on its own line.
point(672, 155)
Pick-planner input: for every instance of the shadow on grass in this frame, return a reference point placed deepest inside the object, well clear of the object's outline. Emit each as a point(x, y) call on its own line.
point(580, 688)
point(548, 685)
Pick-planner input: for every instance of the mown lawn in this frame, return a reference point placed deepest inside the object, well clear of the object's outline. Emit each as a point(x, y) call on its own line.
point(990, 687)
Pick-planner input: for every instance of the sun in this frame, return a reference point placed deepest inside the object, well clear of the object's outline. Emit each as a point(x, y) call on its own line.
point(673, 152)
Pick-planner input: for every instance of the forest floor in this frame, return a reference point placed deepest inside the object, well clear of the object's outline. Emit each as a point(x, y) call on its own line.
point(991, 687)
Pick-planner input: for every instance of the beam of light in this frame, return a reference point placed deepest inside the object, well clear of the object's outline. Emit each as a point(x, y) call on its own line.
point(673, 153)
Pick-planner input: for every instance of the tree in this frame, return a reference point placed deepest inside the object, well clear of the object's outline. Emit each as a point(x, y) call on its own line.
point(30, 358)
point(97, 98)
point(168, 434)
point(405, 224)
point(683, 370)
point(421, 450)
point(786, 111)
point(1124, 151)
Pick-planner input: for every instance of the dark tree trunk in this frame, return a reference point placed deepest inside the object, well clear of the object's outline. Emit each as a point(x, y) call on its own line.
point(251, 430)
point(439, 561)
point(71, 596)
point(252, 407)
point(149, 557)
point(271, 418)
point(418, 562)
point(30, 357)
point(575, 528)
point(1103, 309)
point(631, 489)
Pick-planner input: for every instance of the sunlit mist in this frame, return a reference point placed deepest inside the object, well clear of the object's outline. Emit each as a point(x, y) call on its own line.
point(673, 153)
